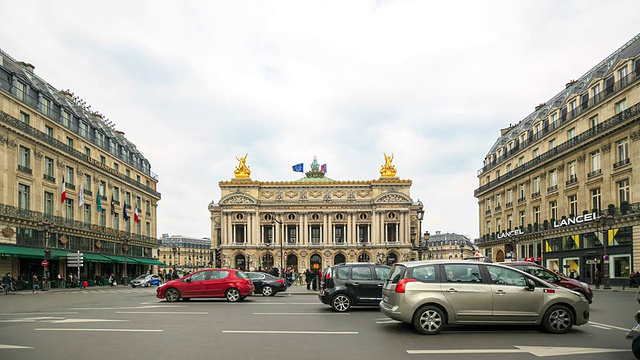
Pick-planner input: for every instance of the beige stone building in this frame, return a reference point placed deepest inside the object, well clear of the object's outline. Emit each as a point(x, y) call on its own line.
point(559, 187)
point(52, 143)
point(315, 221)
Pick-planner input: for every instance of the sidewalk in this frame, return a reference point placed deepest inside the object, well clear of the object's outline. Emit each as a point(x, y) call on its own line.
point(614, 289)
point(299, 290)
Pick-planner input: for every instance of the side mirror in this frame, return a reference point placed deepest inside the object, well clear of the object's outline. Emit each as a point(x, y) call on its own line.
point(531, 285)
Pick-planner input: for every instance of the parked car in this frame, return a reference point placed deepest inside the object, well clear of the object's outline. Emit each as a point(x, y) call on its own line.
point(146, 280)
point(552, 277)
point(352, 284)
point(432, 294)
point(231, 284)
point(267, 284)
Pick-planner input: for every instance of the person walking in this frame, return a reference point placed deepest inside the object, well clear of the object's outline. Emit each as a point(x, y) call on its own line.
point(6, 280)
point(596, 279)
point(308, 278)
point(112, 280)
point(34, 283)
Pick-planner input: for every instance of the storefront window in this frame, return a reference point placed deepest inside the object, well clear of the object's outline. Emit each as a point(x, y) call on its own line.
point(622, 236)
point(570, 242)
point(553, 244)
point(553, 265)
point(621, 266)
point(592, 239)
point(571, 266)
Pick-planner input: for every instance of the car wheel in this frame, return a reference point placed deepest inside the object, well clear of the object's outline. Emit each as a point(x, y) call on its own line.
point(428, 320)
point(267, 291)
point(558, 320)
point(341, 303)
point(133, 286)
point(635, 347)
point(232, 295)
point(172, 295)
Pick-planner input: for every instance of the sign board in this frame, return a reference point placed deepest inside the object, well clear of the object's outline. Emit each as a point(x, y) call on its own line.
point(75, 260)
point(44, 263)
point(591, 262)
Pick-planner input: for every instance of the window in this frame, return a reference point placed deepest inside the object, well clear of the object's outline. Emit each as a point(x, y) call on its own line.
point(87, 151)
point(621, 106)
point(339, 234)
point(127, 173)
point(381, 272)
point(536, 186)
point(116, 166)
point(498, 201)
point(509, 196)
point(573, 107)
point(608, 85)
point(593, 121)
point(87, 214)
point(623, 151)
point(83, 130)
point(553, 209)
point(552, 144)
point(509, 221)
point(66, 119)
point(127, 200)
point(46, 106)
point(622, 76)
point(103, 218)
point(148, 228)
point(342, 273)
point(361, 273)
point(25, 158)
point(70, 142)
point(103, 160)
point(69, 209)
point(116, 194)
point(572, 172)
point(536, 153)
point(623, 190)
point(541, 273)
point(521, 161)
point(24, 195)
point(536, 214)
point(596, 199)
point(103, 189)
point(315, 234)
point(147, 205)
point(573, 205)
point(553, 180)
point(508, 168)
point(522, 191)
point(465, 273)
point(571, 134)
point(584, 100)
point(522, 218)
point(596, 93)
point(87, 183)
point(595, 161)
point(24, 117)
point(138, 201)
point(48, 130)
point(116, 221)
point(21, 90)
point(509, 277)
point(427, 273)
point(621, 266)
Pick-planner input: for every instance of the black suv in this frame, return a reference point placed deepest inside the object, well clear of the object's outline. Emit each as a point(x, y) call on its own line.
point(352, 284)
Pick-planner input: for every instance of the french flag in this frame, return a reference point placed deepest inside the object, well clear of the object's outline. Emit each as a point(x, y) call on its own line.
point(63, 197)
point(136, 218)
point(323, 168)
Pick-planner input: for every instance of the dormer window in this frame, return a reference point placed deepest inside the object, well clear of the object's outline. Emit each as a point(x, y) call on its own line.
point(622, 75)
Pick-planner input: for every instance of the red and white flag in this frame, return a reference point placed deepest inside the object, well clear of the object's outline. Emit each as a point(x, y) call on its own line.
point(63, 197)
point(136, 218)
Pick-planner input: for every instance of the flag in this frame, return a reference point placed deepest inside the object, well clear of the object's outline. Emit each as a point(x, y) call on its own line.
point(113, 205)
point(298, 167)
point(124, 212)
point(63, 197)
point(323, 168)
point(81, 196)
point(99, 201)
point(136, 218)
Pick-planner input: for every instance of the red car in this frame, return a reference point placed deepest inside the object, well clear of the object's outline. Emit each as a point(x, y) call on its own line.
point(231, 284)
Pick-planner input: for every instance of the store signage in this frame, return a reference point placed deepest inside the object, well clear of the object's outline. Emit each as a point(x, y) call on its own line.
point(510, 233)
point(576, 220)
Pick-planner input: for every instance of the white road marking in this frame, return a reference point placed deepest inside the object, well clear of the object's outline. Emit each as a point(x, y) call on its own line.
point(165, 312)
point(280, 303)
point(129, 307)
point(384, 318)
point(32, 319)
point(388, 322)
point(103, 330)
point(539, 351)
point(291, 332)
point(601, 327)
point(39, 313)
point(323, 314)
point(14, 347)
point(71, 321)
point(609, 326)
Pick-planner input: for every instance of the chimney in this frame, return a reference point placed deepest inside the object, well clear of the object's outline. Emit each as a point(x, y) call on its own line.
point(27, 66)
point(67, 94)
point(568, 85)
point(120, 133)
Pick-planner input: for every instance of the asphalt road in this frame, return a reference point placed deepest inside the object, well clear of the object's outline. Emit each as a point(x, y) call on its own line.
point(125, 323)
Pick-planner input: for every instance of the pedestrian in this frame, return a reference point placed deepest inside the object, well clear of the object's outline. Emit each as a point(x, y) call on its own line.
point(596, 278)
point(112, 280)
point(34, 283)
point(6, 280)
point(308, 278)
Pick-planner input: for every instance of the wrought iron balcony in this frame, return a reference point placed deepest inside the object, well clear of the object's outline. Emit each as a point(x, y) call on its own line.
point(573, 179)
point(594, 173)
point(49, 178)
point(552, 188)
point(621, 163)
point(25, 169)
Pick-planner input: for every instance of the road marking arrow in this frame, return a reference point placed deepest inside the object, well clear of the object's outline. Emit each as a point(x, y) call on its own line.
point(538, 351)
point(14, 347)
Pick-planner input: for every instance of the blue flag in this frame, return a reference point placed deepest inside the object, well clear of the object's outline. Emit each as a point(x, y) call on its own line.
point(126, 216)
point(298, 167)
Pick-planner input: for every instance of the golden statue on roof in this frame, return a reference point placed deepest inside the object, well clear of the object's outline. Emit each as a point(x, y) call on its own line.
point(242, 170)
point(388, 170)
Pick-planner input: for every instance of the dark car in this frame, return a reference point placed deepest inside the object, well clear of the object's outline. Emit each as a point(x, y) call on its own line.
point(552, 277)
point(231, 284)
point(267, 284)
point(352, 284)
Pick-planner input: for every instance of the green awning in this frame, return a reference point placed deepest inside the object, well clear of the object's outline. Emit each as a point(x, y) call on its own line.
point(121, 259)
point(95, 258)
point(148, 261)
point(21, 251)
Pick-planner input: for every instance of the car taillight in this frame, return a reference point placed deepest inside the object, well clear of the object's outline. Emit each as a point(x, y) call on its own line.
point(280, 281)
point(402, 284)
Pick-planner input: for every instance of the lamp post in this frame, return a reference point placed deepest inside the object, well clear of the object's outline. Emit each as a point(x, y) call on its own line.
point(462, 250)
point(420, 244)
point(281, 242)
point(45, 226)
point(604, 223)
point(125, 250)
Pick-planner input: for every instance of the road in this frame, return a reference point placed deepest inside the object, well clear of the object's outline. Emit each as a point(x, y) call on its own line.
point(125, 323)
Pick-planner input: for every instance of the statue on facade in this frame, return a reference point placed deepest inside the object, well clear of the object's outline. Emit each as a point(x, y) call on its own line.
point(388, 170)
point(242, 170)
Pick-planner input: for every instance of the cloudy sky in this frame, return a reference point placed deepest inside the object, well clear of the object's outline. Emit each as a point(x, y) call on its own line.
point(196, 83)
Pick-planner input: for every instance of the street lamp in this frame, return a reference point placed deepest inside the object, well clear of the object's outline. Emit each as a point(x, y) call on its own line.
point(125, 250)
point(462, 250)
point(420, 245)
point(604, 223)
point(281, 241)
point(364, 256)
point(45, 226)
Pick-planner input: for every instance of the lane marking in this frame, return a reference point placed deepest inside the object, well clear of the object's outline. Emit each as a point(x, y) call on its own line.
point(291, 332)
point(129, 307)
point(388, 322)
point(465, 351)
point(609, 326)
point(165, 312)
point(323, 314)
point(102, 330)
point(71, 321)
point(38, 313)
point(538, 351)
point(14, 347)
point(384, 318)
point(601, 327)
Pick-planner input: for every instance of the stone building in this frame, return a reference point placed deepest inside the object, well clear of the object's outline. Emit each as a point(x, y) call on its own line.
point(315, 221)
point(559, 187)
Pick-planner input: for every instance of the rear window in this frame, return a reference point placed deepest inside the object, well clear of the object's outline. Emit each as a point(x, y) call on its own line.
point(396, 273)
point(239, 274)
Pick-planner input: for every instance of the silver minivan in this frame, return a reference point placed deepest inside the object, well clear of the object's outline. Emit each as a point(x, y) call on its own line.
point(432, 294)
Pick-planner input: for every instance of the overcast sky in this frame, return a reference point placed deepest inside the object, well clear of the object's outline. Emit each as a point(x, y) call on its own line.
point(196, 83)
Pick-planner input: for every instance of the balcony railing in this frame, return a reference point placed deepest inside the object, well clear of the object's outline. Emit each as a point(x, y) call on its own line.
point(70, 186)
point(552, 188)
point(521, 200)
point(572, 180)
point(621, 163)
point(509, 204)
point(49, 178)
point(594, 173)
point(498, 208)
point(25, 169)
point(535, 195)
point(88, 192)
point(563, 148)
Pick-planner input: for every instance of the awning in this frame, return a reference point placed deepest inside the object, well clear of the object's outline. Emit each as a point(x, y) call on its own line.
point(96, 258)
point(148, 261)
point(121, 259)
point(21, 251)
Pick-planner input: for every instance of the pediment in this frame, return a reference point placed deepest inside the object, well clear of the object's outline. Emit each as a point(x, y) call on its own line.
point(393, 198)
point(240, 199)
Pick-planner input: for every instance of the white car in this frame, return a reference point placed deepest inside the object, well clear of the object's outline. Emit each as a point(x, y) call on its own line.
point(146, 280)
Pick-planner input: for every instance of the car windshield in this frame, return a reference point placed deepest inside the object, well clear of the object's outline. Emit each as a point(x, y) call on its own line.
point(141, 277)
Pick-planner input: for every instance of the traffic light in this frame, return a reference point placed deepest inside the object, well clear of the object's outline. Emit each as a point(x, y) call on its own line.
point(47, 255)
point(218, 258)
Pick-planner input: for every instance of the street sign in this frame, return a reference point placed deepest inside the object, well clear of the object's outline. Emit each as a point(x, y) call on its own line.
point(44, 263)
point(75, 260)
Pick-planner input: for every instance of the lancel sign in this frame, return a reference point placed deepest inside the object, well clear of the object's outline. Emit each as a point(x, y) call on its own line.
point(576, 220)
point(510, 233)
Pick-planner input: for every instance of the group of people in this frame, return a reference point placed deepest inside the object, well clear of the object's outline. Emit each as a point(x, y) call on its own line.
point(634, 279)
